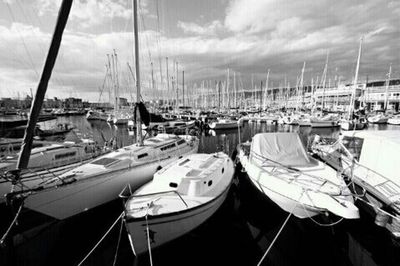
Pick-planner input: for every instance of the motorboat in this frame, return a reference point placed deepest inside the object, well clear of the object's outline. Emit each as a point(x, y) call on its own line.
point(395, 120)
point(96, 115)
point(375, 178)
point(99, 181)
point(355, 124)
point(378, 119)
point(181, 197)
point(280, 168)
point(324, 121)
point(222, 123)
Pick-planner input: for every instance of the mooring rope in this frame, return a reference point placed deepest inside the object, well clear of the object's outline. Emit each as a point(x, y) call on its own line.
point(148, 234)
point(119, 240)
point(276, 237)
point(12, 224)
point(101, 239)
point(280, 230)
point(377, 208)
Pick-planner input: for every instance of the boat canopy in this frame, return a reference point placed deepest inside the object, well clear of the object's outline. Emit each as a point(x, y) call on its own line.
point(282, 148)
point(380, 152)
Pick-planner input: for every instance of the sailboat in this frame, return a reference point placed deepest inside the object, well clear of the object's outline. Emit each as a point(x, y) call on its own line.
point(375, 179)
point(180, 197)
point(382, 117)
point(352, 123)
point(100, 181)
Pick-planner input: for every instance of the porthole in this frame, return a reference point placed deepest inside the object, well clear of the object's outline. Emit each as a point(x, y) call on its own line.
point(210, 183)
point(172, 184)
point(222, 170)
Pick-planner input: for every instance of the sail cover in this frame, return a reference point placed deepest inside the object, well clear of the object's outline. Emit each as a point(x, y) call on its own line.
point(279, 148)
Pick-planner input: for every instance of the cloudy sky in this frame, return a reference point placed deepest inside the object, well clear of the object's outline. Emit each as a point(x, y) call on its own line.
point(205, 37)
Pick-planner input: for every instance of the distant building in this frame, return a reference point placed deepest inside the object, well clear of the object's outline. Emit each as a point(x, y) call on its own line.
point(10, 104)
point(123, 101)
point(52, 103)
point(72, 102)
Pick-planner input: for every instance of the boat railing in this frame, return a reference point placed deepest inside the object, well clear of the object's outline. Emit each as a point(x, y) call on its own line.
point(157, 194)
point(295, 171)
point(351, 164)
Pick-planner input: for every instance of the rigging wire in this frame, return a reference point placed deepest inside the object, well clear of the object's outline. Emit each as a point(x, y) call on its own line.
point(23, 41)
point(42, 49)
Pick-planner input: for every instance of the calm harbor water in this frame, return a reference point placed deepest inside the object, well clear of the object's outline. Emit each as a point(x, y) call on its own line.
point(238, 234)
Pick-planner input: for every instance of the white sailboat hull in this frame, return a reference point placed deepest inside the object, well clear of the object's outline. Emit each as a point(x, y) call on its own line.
point(97, 183)
point(224, 125)
point(93, 115)
point(350, 125)
point(394, 121)
point(80, 196)
point(324, 124)
point(378, 119)
point(166, 228)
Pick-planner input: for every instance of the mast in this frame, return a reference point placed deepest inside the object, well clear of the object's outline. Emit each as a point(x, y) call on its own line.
point(353, 93)
point(116, 82)
point(324, 80)
point(387, 87)
point(261, 98)
point(183, 88)
point(137, 70)
point(302, 83)
point(166, 63)
point(235, 89)
point(227, 91)
point(219, 96)
point(266, 91)
point(177, 98)
point(26, 146)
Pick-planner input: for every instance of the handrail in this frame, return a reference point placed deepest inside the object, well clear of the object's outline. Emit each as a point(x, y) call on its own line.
point(355, 161)
point(288, 168)
point(162, 192)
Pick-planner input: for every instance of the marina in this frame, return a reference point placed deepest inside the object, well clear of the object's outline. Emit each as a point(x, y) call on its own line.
point(193, 143)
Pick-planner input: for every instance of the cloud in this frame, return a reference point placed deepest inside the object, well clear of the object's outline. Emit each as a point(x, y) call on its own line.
point(209, 29)
point(248, 37)
point(89, 13)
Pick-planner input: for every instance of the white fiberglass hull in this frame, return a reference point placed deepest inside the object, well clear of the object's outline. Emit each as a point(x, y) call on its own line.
point(222, 125)
point(293, 198)
point(97, 116)
point(70, 199)
point(378, 120)
point(394, 121)
point(324, 124)
point(350, 125)
point(165, 228)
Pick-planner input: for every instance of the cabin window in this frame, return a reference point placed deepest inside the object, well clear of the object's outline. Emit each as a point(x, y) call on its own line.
point(64, 155)
point(181, 141)
point(223, 170)
point(174, 185)
point(185, 161)
point(172, 145)
point(210, 183)
point(105, 161)
point(142, 155)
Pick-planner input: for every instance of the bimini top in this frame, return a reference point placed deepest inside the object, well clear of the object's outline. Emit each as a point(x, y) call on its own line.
point(380, 152)
point(280, 148)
